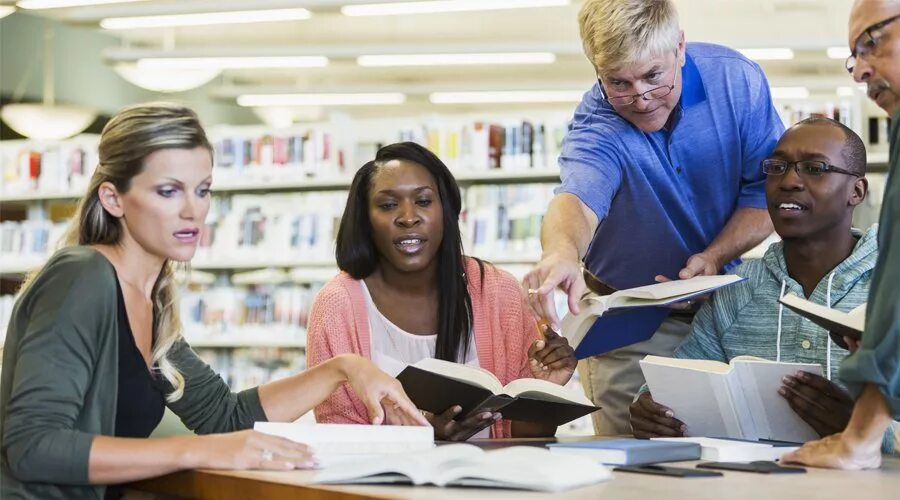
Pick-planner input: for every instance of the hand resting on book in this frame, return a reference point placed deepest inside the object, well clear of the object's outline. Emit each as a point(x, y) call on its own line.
point(821, 403)
point(448, 429)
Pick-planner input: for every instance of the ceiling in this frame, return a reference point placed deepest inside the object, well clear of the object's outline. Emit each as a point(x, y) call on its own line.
point(806, 26)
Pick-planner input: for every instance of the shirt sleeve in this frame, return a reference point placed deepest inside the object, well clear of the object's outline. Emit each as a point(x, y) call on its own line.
point(876, 361)
point(590, 162)
point(760, 131)
point(54, 363)
point(208, 405)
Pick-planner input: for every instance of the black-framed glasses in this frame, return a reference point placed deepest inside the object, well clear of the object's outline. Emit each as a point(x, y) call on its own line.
point(804, 168)
point(866, 43)
point(650, 95)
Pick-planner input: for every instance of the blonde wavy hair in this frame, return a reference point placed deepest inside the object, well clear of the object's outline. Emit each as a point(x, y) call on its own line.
point(615, 33)
point(127, 139)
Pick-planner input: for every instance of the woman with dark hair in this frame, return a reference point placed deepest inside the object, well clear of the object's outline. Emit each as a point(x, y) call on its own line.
point(406, 292)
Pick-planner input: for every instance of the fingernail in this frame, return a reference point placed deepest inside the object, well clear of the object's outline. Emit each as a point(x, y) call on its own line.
point(802, 375)
point(545, 367)
point(487, 416)
point(540, 344)
point(787, 380)
point(497, 416)
point(457, 409)
point(683, 428)
point(534, 361)
point(782, 391)
point(669, 413)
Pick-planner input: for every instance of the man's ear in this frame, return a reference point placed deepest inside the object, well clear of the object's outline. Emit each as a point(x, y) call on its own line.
point(860, 190)
point(110, 199)
point(681, 48)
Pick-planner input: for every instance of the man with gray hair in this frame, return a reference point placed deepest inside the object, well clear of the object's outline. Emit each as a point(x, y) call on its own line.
point(872, 373)
point(660, 178)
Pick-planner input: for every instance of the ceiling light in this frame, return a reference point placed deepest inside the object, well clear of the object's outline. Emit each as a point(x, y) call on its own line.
point(506, 96)
point(838, 52)
point(433, 6)
point(58, 4)
point(6, 10)
point(456, 59)
point(850, 91)
point(232, 62)
point(48, 122)
point(205, 18)
point(321, 99)
point(166, 80)
point(779, 54)
point(790, 92)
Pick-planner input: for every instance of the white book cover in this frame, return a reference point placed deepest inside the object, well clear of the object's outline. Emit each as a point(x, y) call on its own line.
point(517, 467)
point(736, 400)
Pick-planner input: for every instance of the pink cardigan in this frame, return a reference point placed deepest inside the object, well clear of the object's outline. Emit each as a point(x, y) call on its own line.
point(503, 328)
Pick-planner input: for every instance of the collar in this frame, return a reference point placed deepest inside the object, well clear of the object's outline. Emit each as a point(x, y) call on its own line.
point(692, 91)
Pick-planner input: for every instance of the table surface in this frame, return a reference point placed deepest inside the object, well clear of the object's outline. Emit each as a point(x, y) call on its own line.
point(823, 484)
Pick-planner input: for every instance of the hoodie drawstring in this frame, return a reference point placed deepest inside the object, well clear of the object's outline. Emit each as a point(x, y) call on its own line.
point(827, 340)
point(780, 313)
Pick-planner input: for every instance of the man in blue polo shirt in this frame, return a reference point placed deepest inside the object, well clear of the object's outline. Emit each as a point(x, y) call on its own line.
point(660, 177)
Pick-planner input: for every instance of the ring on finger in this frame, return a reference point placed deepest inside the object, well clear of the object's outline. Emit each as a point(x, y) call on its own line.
point(267, 455)
point(532, 291)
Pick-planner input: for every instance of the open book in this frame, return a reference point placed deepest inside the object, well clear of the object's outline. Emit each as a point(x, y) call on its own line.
point(517, 467)
point(435, 385)
point(737, 400)
point(846, 324)
point(333, 443)
point(624, 317)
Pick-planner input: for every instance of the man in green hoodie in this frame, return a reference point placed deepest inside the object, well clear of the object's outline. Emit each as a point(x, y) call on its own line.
point(815, 178)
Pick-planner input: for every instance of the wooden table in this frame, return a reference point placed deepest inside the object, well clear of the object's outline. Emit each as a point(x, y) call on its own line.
point(816, 483)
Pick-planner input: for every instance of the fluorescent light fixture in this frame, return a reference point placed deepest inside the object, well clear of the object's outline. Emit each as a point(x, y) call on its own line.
point(790, 92)
point(59, 4)
point(433, 6)
point(233, 62)
point(205, 18)
point(166, 80)
point(838, 52)
point(506, 96)
point(370, 99)
point(6, 10)
point(779, 54)
point(850, 91)
point(456, 59)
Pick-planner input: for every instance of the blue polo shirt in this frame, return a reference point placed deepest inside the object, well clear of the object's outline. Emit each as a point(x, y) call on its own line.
point(664, 196)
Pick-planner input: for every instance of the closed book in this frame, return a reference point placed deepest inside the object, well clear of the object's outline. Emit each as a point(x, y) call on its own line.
point(630, 451)
point(734, 450)
point(435, 385)
point(846, 324)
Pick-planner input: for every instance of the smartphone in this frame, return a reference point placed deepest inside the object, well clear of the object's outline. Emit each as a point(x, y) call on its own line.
point(665, 470)
point(759, 467)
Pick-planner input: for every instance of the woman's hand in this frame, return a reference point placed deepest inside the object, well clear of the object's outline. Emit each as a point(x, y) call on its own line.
point(248, 450)
point(448, 429)
point(379, 391)
point(552, 358)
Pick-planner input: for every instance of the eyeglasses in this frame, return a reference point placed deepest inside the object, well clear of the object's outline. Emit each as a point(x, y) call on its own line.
point(866, 43)
point(650, 95)
point(804, 168)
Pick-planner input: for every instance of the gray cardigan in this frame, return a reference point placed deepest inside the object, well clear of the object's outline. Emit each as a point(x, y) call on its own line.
point(59, 382)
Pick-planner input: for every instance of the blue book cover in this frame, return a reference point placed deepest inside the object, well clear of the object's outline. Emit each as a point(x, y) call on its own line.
point(630, 451)
point(619, 328)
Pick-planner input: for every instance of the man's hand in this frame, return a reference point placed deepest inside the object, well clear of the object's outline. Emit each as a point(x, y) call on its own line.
point(650, 419)
point(824, 405)
point(700, 264)
point(551, 272)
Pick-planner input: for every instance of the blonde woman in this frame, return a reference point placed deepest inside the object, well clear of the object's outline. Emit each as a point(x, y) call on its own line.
point(94, 351)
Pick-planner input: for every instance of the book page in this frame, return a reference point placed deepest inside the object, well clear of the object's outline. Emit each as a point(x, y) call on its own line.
point(677, 288)
point(419, 467)
point(855, 319)
point(524, 467)
point(548, 391)
point(469, 374)
point(703, 365)
point(699, 398)
point(773, 417)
